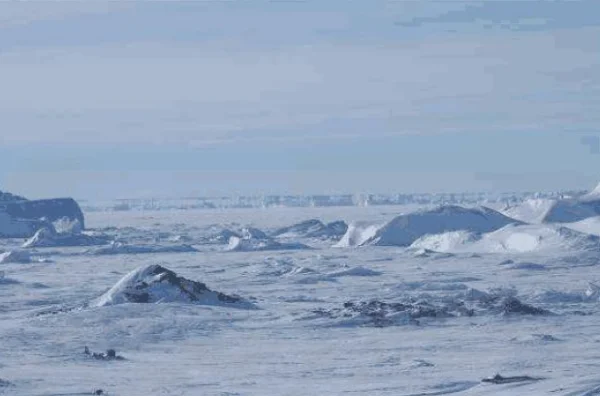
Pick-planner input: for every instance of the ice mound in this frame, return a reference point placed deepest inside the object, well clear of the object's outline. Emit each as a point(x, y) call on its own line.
point(49, 237)
point(156, 284)
point(511, 239)
point(406, 229)
point(15, 256)
point(313, 229)
point(253, 233)
point(121, 248)
point(250, 244)
point(357, 234)
point(447, 242)
point(530, 238)
point(224, 236)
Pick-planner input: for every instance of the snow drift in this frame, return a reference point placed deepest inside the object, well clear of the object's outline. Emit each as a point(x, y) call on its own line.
point(313, 229)
point(511, 239)
point(258, 245)
point(406, 229)
point(49, 237)
point(224, 236)
point(156, 284)
point(121, 248)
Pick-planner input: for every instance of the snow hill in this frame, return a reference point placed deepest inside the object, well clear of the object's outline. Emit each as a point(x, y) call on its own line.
point(405, 229)
point(512, 238)
point(156, 284)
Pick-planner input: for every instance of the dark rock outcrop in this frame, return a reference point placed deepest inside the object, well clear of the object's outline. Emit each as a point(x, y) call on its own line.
point(48, 209)
point(110, 354)
point(154, 284)
point(499, 379)
point(380, 314)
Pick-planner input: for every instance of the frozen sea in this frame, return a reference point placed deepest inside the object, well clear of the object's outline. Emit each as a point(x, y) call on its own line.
point(284, 347)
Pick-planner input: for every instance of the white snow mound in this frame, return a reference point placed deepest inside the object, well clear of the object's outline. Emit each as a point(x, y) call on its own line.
point(156, 284)
point(406, 229)
point(48, 237)
point(512, 239)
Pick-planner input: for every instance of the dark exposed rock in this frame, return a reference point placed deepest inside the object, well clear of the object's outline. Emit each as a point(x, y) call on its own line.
point(155, 283)
point(8, 197)
point(511, 306)
point(110, 354)
point(499, 379)
point(48, 209)
point(379, 313)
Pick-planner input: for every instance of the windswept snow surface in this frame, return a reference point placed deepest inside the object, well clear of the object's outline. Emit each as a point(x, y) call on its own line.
point(522, 301)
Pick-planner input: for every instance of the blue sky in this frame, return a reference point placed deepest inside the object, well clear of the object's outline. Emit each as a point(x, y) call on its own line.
point(127, 99)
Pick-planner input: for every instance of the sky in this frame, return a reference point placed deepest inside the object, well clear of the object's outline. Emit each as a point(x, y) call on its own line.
point(104, 100)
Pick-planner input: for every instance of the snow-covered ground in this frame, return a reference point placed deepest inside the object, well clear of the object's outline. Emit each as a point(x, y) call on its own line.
point(433, 318)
